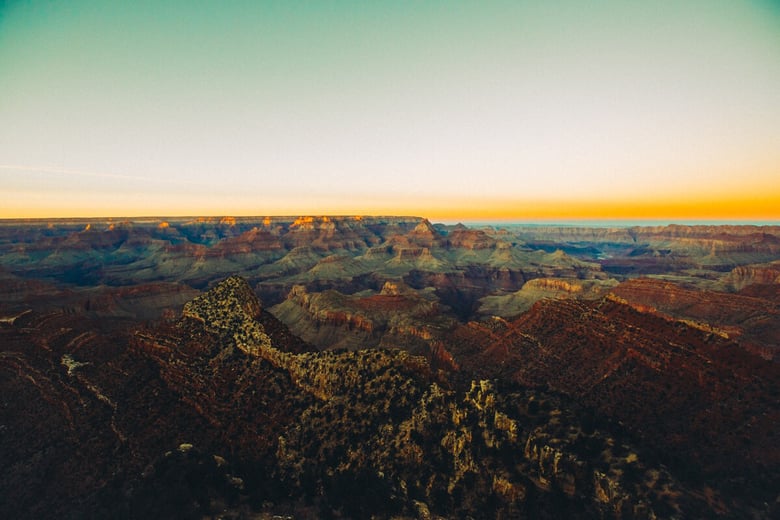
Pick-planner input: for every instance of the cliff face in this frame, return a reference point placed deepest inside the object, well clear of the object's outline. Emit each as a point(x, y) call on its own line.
point(744, 276)
point(754, 234)
point(463, 237)
point(513, 304)
point(395, 316)
point(252, 242)
point(330, 233)
point(643, 250)
point(753, 322)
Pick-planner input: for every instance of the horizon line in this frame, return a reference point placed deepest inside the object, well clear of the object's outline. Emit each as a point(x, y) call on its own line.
point(558, 222)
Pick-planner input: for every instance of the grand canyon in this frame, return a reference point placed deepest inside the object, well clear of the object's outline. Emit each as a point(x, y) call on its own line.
point(274, 260)
point(387, 367)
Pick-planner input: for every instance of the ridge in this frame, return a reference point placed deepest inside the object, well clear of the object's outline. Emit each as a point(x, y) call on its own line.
point(231, 309)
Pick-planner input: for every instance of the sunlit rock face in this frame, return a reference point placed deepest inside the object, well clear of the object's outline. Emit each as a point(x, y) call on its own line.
point(463, 237)
point(252, 242)
point(744, 276)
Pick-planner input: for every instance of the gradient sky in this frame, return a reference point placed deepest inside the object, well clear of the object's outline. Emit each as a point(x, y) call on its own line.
point(473, 110)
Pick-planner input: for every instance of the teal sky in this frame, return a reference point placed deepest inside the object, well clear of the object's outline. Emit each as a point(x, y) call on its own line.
point(434, 108)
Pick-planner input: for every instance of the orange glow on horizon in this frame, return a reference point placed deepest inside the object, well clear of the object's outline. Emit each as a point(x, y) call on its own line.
point(766, 208)
point(759, 202)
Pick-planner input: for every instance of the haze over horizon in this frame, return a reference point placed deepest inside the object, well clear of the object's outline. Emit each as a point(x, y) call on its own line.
point(448, 110)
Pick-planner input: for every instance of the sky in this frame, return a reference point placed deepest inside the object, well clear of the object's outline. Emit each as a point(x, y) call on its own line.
point(449, 110)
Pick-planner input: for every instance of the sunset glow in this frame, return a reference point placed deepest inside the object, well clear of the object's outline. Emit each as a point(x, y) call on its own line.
point(464, 110)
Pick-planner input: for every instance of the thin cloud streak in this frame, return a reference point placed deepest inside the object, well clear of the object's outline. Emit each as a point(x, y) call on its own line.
point(99, 175)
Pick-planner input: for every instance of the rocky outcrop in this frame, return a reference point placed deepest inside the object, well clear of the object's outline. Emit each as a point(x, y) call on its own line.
point(256, 240)
point(329, 234)
point(553, 284)
point(324, 309)
point(424, 235)
point(463, 237)
point(231, 310)
point(396, 316)
point(513, 304)
point(417, 258)
point(743, 276)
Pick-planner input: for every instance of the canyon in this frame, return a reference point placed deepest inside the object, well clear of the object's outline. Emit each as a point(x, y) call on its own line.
point(358, 366)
